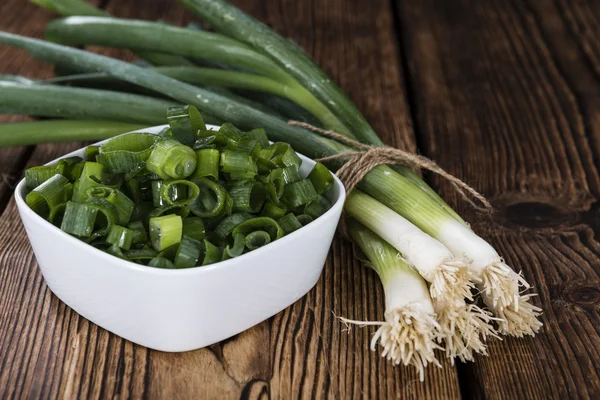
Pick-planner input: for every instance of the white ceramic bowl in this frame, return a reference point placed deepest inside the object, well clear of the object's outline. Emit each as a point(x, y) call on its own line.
point(180, 310)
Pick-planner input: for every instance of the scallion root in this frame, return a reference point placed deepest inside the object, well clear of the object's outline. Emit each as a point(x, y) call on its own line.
point(464, 328)
point(408, 337)
point(501, 291)
point(451, 281)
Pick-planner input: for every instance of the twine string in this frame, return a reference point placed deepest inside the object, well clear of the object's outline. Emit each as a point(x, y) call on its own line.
point(366, 157)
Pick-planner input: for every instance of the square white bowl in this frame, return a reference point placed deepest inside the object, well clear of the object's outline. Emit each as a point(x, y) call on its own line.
point(181, 310)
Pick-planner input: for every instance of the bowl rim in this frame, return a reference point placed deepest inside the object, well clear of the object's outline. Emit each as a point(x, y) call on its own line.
point(25, 210)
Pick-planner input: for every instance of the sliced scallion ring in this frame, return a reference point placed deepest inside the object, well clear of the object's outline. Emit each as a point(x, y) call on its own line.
point(123, 153)
point(179, 192)
point(266, 224)
point(211, 202)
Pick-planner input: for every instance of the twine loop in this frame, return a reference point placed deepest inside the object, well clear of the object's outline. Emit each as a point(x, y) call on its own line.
point(366, 157)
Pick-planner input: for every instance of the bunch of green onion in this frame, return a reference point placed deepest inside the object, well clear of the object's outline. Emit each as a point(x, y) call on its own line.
point(184, 198)
point(247, 74)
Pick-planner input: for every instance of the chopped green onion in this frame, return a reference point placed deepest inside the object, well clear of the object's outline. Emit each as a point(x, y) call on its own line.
point(141, 211)
point(79, 219)
point(299, 193)
point(260, 135)
point(260, 224)
point(171, 160)
point(91, 152)
point(35, 176)
point(139, 232)
point(304, 219)
point(185, 121)
point(157, 199)
point(212, 253)
point(194, 228)
point(273, 210)
point(136, 171)
point(211, 202)
point(274, 184)
point(106, 218)
point(115, 251)
point(229, 135)
point(123, 205)
point(206, 142)
point(182, 211)
point(169, 253)
point(188, 252)
point(317, 207)
point(207, 163)
point(235, 250)
point(289, 223)
point(120, 236)
point(291, 174)
point(56, 214)
point(178, 192)
point(257, 239)
point(267, 153)
point(160, 262)
point(249, 146)
point(229, 223)
point(71, 167)
point(265, 166)
point(238, 162)
point(165, 231)
point(141, 254)
point(248, 197)
point(90, 177)
point(285, 156)
point(123, 153)
point(48, 195)
point(321, 178)
point(133, 188)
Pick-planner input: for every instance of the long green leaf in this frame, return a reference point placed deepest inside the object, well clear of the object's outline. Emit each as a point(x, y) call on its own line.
point(37, 132)
point(233, 22)
point(154, 36)
point(78, 103)
point(217, 105)
point(227, 79)
point(68, 8)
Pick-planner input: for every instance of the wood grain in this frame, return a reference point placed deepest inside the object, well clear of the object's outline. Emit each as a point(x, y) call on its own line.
point(507, 102)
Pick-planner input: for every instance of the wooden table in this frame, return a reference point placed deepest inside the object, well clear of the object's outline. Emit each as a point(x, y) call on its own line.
point(504, 94)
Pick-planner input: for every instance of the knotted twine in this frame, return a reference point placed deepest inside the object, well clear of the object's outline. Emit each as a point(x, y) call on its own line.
point(367, 157)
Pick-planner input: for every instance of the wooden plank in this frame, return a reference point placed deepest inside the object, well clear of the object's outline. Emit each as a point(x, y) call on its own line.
point(497, 107)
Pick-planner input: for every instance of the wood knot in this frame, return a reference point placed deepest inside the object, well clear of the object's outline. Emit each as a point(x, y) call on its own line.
point(537, 215)
point(584, 295)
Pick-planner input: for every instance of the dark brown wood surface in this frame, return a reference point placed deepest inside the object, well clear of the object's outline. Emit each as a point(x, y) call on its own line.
point(504, 94)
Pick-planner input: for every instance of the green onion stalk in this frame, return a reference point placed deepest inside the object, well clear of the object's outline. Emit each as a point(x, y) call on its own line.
point(154, 36)
point(79, 103)
point(202, 76)
point(464, 327)
point(500, 285)
point(28, 133)
point(410, 330)
point(68, 8)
